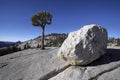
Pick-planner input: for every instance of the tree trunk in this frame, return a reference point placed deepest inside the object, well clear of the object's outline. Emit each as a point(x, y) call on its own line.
point(42, 40)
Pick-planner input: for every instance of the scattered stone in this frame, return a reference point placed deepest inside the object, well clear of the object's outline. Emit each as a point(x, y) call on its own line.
point(85, 45)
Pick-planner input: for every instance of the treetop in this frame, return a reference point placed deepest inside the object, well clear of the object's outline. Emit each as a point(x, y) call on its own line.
point(41, 18)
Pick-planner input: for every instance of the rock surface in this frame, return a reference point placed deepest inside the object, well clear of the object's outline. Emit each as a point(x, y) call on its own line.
point(106, 68)
point(36, 64)
point(50, 40)
point(85, 45)
point(112, 75)
point(31, 64)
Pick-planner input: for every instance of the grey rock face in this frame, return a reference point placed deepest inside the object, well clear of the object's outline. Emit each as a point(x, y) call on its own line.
point(31, 64)
point(113, 75)
point(106, 68)
point(85, 45)
point(36, 64)
point(50, 40)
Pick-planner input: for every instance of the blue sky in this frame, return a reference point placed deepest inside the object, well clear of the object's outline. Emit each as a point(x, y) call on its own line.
point(68, 15)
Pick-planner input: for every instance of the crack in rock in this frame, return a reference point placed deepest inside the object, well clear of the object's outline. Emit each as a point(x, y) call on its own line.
point(109, 70)
point(54, 73)
point(3, 64)
point(83, 71)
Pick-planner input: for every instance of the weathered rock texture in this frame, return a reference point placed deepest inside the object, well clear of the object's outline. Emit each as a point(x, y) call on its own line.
point(36, 64)
point(31, 64)
point(105, 68)
point(85, 45)
point(50, 40)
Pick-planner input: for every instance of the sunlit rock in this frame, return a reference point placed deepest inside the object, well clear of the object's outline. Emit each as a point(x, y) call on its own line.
point(85, 45)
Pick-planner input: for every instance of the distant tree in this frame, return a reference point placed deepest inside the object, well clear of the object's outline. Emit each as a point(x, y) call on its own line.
point(118, 42)
point(40, 20)
point(25, 46)
point(19, 49)
point(38, 46)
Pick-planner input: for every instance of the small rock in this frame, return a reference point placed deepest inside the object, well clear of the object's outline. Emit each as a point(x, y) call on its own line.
point(85, 45)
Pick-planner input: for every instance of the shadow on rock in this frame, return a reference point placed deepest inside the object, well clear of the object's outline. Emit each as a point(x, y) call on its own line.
point(112, 55)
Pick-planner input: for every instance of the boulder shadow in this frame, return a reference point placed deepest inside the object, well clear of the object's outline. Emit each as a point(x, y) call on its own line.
point(111, 55)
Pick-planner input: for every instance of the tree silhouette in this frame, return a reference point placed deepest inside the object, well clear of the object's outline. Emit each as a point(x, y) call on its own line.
point(40, 20)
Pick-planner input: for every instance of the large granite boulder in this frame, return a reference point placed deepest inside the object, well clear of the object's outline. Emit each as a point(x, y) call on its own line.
point(37, 64)
point(105, 68)
point(85, 45)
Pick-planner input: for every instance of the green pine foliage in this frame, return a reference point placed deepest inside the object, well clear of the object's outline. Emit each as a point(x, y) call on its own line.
point(41, 19)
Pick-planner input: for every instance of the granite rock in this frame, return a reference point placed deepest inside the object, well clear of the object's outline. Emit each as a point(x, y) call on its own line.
point(85, 45)
point(31, 64)
point(105, 68)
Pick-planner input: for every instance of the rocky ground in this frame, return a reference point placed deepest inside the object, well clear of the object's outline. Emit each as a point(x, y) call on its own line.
point(36, 64)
